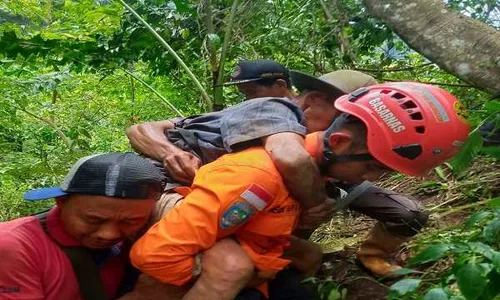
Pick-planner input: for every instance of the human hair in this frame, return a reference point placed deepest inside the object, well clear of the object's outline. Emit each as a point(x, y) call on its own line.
point(270, 81)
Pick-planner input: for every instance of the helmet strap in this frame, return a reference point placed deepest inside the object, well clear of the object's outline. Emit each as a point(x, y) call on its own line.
point(330, 158)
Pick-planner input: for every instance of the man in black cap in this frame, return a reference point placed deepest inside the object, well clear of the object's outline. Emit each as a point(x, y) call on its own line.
point(79, 248)
point(261, 78)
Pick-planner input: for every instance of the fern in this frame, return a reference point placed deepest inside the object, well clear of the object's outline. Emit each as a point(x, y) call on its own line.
point(469, 151)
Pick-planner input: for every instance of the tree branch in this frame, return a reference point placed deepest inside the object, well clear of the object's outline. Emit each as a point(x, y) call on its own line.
point(52, 124)
point(172, 52)
point(457, 43)
point(327, 13)
point(156, 92)
point(209, 24)
point(227, 37)
point(345, 45)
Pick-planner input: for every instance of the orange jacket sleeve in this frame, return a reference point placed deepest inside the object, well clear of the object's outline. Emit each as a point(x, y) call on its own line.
point(167, 250)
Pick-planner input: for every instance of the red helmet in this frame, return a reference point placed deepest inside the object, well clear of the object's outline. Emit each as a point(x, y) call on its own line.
point(412, 127)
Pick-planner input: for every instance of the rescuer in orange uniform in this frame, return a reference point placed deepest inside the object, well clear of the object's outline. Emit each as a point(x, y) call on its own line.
point(242, 195)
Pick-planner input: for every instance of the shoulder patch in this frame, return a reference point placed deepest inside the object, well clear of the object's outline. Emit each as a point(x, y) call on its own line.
point(253, 199)
point(257, 196)
point(236, 214)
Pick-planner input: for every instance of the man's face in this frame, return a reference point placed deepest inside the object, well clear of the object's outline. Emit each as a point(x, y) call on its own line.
point(253, 90)
point(357, 171)
point(353, 171)
point(100, 222)
point(319, 111)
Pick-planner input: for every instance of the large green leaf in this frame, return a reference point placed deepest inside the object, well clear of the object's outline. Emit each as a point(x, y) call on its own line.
point(476, 217)
point(493, 151)
point(492, 231)
point(494, 202)
point(429, 254)
point(471, 279)
point(214, 40)
point(182, 6)
point(334, 295)
point(405, 286)
point(405, 271)
point(496, 261)
point(492, 106)
point(436, 294)
point(483, 249)
point(469, 151)
point(492, 290)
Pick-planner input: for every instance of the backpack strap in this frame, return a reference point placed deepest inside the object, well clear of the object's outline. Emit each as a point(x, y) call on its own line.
point(345, 200)
point(86, 271)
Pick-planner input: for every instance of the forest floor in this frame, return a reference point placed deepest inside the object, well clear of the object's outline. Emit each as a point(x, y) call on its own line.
point(449, 200)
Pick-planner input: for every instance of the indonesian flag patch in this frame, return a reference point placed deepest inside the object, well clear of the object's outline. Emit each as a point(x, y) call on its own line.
point(253, 199)
point(257, 196)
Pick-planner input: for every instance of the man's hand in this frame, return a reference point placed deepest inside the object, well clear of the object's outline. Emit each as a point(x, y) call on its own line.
point(148, 288)
point(314, 216)
point(260, 277)
point(182, 166)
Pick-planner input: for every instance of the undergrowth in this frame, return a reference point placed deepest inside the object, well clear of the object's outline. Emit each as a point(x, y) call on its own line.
point(459, 263)
point(456, 257)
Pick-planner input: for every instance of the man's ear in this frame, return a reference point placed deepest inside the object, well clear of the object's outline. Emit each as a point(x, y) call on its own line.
point(340, 142)
point(61, 201)
point(281, 83)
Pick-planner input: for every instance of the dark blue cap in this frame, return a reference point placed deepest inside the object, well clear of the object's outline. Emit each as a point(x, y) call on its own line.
point(258, 69)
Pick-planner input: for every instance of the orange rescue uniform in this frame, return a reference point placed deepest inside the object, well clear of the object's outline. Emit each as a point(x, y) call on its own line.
point(241, 195)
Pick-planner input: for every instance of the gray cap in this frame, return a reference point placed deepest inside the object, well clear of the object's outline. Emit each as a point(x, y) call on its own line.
point(118, 175)
point(335, 84)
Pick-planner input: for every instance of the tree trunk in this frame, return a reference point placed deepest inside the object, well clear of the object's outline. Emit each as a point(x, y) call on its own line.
point(467, 48)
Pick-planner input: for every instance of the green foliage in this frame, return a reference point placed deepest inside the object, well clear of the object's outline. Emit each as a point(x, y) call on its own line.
point(492, 231)
point(403, 287)
point(494, 203)
point(468, 152)
point(436, 294)
point(430, 254)
point(475, 256)
point(487, 11)
point(471, 279)
point(327, 289)
point(475, 218)
point(50, 118)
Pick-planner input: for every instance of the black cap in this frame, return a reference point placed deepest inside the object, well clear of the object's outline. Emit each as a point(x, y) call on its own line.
point(258, 69)
point(119, 175)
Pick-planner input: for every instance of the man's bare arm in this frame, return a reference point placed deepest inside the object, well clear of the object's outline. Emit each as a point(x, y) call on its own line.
point(149, 139)
point(297, 167)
